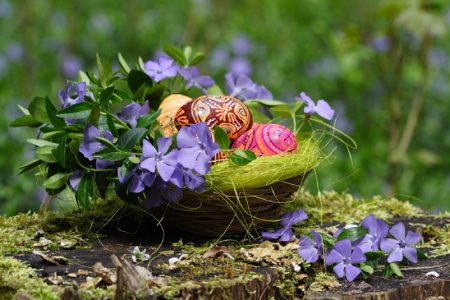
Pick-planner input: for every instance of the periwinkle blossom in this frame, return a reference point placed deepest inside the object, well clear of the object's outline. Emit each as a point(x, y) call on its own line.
point(132, 112)
point(90, 145)
point(310, 250)
point(377, 231)
point(401, 245)
point(139, 179)
point(287, 220)
point(152, 159)
point(193, 78)
point(344, 257)
point(322, 108)
point(186, 177)
point(164, 68)
point(65, 94)
point(196, 148)
point(170, 192)
point(241, 87)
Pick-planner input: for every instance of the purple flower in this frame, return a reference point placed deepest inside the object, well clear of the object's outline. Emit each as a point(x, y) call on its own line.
point(241, 87)
point(80, 92)
point(75, 178)
point(310, 250)
point(263, 93)
point(287, 220)
point(401, 245)
point(192, 75)
point(344, 257)
point(184, 176)
point(170, 192)
point(152, 159)
point(377, 231)
point(322, 108)
point(164, 68)
point(90, 145)
point(196, 148)
point(140, 178)
point(240, 65)
point(241, 44)
point(132, 112)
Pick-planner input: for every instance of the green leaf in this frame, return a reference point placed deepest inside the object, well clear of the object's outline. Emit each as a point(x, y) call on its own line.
point(187, 52)
point(134, 160)
point(352, 234)
point(387, 271)
point(129, 139)
point(124, 64)
point(82, 77)
point(127, 167)
point(105, 141)
point(53, 134)
point(396, 269)
point(45, 154)
point(138, 78)
point(198, 57)
point(101, 72)
point(60, 152)
point(26, 120)
point(30, 165)
point(51, 113)
point(23, 109)
point(85, 191)
point(221, 138)
point(175, 54)
point(107, 69)
point(148, 120)
point(259, 117)
point(282, 111)
point(38, 111)
point(80, 110)
point(56, 181)
point(105, 97)
point(373, 255)
point(366, 268)
point(94, 116)
point(328, 240)
point(266, 103)
point(111, 126)
point(109, 154)
point(421, 255)
point(215, 90)
point(123, 193)
point(297, 106)
point(242, 157)
point(74, 146)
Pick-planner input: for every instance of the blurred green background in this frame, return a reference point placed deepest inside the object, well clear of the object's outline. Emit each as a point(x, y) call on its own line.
point(382, 65)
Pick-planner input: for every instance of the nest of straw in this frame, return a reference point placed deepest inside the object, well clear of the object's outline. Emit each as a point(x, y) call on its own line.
point(243, 199)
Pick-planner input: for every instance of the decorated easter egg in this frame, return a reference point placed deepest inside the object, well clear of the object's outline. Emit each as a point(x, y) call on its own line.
point(227, 112)
point(169, 107)
point(267, 140)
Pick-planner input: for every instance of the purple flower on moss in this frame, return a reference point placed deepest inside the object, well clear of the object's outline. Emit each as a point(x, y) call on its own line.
point(164, 68)
point(196, 148)
point(287, 220)
point(377, 231)
point(132, 112)
point(241, 87)
point(401, 245)
point(322, 108)
point(310, 250)
point(152, 159)
point(90, 145)
point(344, 257)
point(193, 78)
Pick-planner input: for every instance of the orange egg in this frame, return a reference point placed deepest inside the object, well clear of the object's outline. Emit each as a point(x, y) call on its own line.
point(169, 107)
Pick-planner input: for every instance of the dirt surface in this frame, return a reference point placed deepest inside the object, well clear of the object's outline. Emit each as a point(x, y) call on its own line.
point(117, 241)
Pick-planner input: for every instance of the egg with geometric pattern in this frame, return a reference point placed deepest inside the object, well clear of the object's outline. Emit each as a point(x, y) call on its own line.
point(227, 112)
point(267, 140)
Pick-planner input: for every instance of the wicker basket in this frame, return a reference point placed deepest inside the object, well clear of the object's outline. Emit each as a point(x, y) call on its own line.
point(229, 212)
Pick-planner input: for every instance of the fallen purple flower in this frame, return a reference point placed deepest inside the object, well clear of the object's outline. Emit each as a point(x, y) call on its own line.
point(401, 245)
point(344, 257)
point(287, 220)
point(311, 250)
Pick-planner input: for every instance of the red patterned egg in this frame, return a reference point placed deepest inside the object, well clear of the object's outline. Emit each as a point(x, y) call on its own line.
point(169, 107)
point(227, 112)
point(267, 140)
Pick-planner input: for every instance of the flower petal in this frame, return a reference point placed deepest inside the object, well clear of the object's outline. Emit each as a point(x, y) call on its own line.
point(339, 270)
point(411, 254)
point(324, 110)
point(412, 238)
point(398, 231)
point(396, 255)
point(351, 272)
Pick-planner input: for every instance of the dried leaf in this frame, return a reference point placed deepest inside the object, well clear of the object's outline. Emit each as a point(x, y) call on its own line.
point(214, 251)
point(106, 274)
